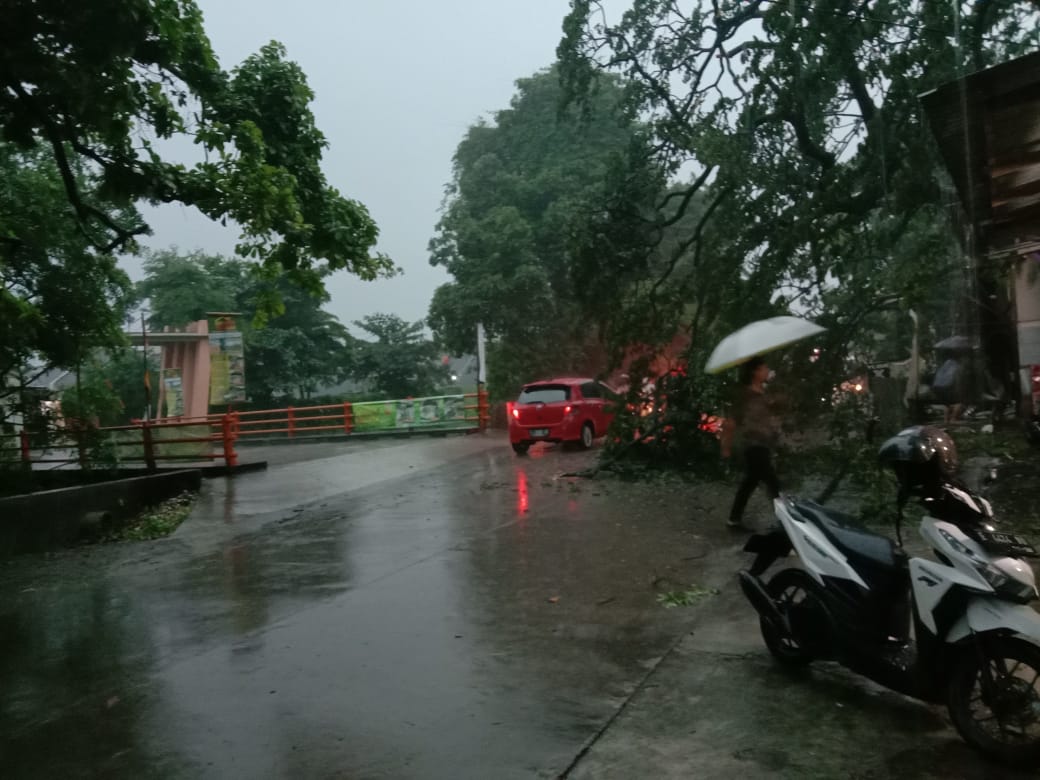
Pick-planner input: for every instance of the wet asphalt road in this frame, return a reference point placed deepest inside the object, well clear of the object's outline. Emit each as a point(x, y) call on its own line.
point(432, 608)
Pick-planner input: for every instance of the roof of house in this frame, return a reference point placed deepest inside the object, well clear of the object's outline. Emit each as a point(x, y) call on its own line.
point(987, 126)
point(53, 379)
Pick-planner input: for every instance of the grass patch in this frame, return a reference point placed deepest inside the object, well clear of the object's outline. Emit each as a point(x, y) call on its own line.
point(685, 598)
point(157, 521)
point(1007, 443)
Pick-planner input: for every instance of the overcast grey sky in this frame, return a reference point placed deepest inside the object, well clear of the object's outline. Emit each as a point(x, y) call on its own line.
point(397, 84)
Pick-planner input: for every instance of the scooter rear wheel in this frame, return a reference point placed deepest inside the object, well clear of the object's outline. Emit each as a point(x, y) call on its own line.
point(994, 700)
point(797, 596)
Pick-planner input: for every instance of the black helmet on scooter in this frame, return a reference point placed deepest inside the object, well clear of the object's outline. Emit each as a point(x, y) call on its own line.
point(922, 457)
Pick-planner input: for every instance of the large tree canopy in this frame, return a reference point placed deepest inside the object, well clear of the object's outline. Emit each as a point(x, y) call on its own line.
point(104, 84)
point(59, 297)
point(803, 176)
point(537, 228)
point(801, 123)
point(182, 288)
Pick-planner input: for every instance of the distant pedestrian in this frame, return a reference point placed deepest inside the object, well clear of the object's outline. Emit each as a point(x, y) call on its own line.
point(752, 424)
point(950, 387)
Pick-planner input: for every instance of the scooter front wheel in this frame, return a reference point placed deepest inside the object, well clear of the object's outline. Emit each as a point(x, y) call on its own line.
point(994, 700)
point(797, 597)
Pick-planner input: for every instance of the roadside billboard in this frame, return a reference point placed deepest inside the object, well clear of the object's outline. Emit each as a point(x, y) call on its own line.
point(412, 413)
point(227, 379)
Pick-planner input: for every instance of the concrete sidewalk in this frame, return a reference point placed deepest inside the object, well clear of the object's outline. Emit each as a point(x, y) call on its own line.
point(717, 706)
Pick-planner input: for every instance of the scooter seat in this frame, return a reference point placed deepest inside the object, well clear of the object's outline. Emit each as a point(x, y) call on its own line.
point(863, 548)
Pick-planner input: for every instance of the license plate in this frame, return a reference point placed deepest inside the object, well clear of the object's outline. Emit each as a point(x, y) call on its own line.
point(539, 431)
point(1008, 543)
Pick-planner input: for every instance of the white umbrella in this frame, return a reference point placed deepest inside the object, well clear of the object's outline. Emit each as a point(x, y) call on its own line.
point(758, 338)
point(955, 344)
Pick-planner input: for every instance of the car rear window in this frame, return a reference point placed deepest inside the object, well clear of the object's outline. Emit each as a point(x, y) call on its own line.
point(544, 394)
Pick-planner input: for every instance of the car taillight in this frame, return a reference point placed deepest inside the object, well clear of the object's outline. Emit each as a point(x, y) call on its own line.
point(516, 413)
point(566, 410)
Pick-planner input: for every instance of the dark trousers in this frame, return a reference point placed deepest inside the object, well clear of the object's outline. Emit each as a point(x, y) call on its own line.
point(758, 467)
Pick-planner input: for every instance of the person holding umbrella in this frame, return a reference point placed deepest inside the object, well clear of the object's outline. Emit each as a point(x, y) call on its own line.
point(752, 420)
point(950, 383)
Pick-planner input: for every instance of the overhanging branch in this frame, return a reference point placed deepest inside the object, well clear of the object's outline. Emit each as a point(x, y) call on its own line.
point(686, 196)
point(694, 238)
point(84, 211)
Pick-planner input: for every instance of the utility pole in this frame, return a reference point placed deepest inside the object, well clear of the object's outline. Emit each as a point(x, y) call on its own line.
point(147, 378)
point(146, 429)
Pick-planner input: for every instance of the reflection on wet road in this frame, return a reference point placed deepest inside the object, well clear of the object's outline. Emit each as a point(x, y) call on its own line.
point(434, 611)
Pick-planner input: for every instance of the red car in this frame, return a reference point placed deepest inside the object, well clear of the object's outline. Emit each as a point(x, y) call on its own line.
point(561, 410)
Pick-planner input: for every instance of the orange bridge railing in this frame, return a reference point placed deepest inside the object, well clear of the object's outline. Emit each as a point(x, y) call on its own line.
point(213, 438)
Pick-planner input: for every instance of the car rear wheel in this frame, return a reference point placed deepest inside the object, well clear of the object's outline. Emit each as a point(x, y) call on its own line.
point(521, 449)
point(587, 436)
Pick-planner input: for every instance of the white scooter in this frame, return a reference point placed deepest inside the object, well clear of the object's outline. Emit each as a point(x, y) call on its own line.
point(958, 630)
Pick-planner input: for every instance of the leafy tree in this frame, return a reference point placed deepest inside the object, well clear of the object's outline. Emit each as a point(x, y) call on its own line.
point(104, 84)
point(111, 388)
point(536, 230)
point(122, 370)
point(59, 298)
point(182, 288)
point(296, 351)
point(89, 96)
point(802, 123)
point(401, 361)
